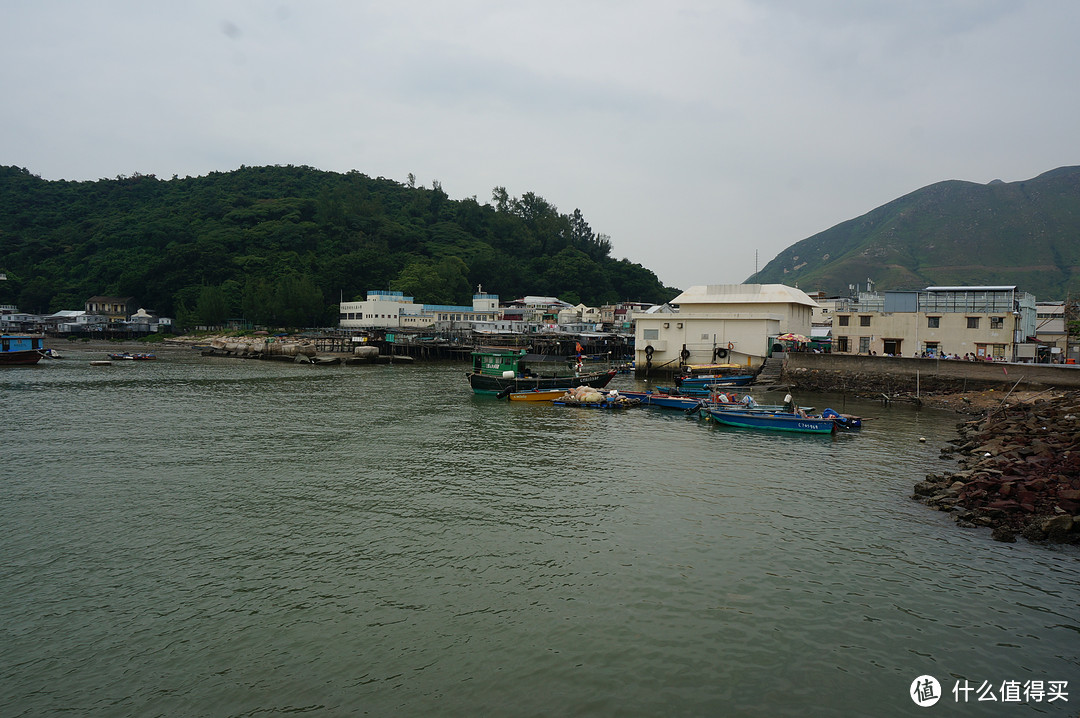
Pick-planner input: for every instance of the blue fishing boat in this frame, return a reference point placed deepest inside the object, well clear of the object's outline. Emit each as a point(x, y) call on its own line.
point(20, 349)
point(703, 391)
point(706, 381)
point(702, 375)
point(772, 420)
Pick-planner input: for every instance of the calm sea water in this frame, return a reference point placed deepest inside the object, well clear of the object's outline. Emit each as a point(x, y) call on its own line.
point(214, 537)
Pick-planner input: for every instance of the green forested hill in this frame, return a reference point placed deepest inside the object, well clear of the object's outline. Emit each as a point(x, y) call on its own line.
point(950, 233)
point(285, 244)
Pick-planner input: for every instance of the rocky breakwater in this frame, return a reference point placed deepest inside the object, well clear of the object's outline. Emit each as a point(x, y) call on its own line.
point(1020, 472)
point(300, 352)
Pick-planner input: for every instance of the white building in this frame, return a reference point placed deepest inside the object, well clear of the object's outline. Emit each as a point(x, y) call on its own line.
point(393, 310)
point(729, 323)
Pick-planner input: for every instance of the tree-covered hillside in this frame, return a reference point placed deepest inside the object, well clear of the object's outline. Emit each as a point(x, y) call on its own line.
point(950, 233)
point(285, 244)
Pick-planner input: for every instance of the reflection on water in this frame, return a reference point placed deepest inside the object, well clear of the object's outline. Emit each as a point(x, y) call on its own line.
point(219, 537)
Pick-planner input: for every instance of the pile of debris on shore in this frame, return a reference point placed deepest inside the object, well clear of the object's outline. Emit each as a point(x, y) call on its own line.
point(1020, 472)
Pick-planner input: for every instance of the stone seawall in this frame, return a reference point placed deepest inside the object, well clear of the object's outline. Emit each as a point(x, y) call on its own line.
point(1019, 475)
point(900, 377)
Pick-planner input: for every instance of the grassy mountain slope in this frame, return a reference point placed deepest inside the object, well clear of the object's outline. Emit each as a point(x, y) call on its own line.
point(1023, 233)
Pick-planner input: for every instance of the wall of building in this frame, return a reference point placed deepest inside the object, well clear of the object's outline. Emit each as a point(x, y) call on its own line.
point(747, 337)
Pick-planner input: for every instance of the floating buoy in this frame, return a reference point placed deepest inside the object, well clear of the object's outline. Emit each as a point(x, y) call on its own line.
point(922, 439)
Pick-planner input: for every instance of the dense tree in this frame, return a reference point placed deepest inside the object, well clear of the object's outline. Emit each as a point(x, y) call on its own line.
point(253, 241)
point(212, 307)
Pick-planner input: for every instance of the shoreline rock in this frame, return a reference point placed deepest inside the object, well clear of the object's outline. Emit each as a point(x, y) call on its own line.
point(1019, 475)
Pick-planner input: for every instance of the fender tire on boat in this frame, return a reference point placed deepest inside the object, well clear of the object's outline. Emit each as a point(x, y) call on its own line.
point(720, 353)
point(649, 351)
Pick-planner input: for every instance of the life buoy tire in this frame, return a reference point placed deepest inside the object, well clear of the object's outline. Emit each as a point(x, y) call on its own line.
point(730, 345)
point(649, 351)
point(720, 353)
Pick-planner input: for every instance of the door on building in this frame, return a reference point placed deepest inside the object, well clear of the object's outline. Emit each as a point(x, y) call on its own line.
point(892, 347)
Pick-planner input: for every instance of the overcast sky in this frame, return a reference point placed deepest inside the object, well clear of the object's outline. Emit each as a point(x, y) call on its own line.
point(701, 137)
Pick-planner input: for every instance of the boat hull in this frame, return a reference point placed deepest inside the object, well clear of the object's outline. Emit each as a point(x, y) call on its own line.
point(664, 401)
point(537, 395)
point(486, 384)
point(774, 421)
point(21, 358)
point(704, 382)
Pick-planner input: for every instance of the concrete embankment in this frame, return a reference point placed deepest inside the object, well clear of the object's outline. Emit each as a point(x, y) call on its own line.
point(908, 378)
point(1020, 472)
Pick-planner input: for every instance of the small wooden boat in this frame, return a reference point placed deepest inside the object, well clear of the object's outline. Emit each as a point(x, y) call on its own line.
point(101, 362)
point(536, 395)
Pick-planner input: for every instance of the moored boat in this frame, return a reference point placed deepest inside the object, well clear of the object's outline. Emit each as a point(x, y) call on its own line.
point(20, 349)
point(536, 395)
point(587, 397)
point(704, 375)
point(664, 400)
point(772, 420)
point(496, 371)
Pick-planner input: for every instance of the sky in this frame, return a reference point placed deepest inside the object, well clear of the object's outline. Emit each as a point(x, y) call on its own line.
point(702, 137)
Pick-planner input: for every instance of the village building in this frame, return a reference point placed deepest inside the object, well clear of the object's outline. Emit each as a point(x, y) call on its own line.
point(384, 309)
point(114, 309)
point(1053, 341)
point(981, 322)
point(721, 323)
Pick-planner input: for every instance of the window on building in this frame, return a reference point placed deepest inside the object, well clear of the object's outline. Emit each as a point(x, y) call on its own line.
point(842, 320)
point(864, 345)
point(997, 322)
point(933, 322)
point(842, 344)
point(999, 350)
point(973, 322)
point(864, 320)
point(651, 334)
point(930, 348)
